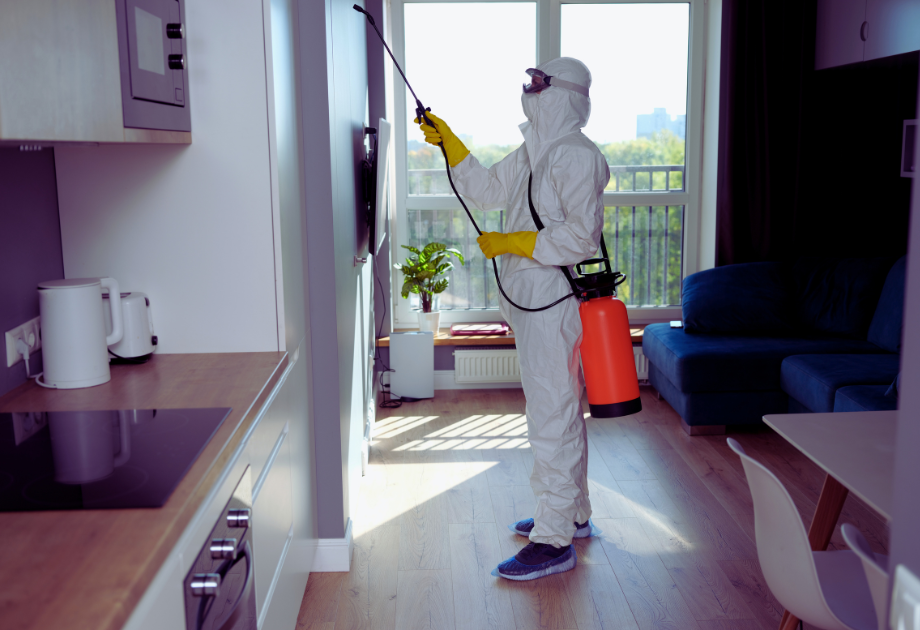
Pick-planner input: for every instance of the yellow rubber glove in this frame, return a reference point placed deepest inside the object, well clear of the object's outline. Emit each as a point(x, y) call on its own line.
point(495, 244)
point(455, 150)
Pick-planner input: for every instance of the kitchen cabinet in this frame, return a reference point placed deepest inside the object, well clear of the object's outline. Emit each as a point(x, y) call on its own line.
point(839, 40)
point(61, 80)
point(850, 31)
point(894, 27)
point(265, 448)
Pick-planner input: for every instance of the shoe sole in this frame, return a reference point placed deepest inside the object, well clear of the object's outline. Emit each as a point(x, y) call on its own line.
point(568, 565)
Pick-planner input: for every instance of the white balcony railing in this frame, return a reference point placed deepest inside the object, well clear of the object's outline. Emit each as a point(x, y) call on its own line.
point(644, 241)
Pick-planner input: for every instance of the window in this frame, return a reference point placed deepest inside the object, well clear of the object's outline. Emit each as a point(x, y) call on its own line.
point(644, 120)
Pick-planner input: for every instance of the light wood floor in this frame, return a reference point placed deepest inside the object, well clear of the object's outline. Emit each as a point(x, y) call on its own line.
point(447, 476)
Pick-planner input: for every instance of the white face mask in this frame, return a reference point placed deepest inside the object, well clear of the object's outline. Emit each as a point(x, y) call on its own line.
point(530, 103)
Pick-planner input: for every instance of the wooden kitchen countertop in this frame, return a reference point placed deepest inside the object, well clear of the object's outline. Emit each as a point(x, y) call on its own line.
point(90, 568)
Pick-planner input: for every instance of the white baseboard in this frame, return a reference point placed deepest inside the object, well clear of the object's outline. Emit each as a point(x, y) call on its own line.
point(334, 554)
point(444, 379)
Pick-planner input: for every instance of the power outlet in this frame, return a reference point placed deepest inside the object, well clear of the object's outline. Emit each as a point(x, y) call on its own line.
point(30, 332)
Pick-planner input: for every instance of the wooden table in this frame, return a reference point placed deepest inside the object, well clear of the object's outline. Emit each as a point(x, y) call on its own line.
point(856, 450)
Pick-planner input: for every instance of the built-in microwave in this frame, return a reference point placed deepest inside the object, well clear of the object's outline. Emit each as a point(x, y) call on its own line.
point(154, 64)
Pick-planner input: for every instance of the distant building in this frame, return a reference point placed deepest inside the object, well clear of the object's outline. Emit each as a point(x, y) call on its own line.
point(648, 124)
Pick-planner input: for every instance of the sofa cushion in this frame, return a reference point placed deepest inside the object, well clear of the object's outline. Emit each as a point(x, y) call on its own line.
point(863, 398)
point(885, 329)
point(813, 379)
point(720, 363)
point(838, 296)
point(751, 298)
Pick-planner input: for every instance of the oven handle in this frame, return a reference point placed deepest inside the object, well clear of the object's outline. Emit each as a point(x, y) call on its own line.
point(245, 552)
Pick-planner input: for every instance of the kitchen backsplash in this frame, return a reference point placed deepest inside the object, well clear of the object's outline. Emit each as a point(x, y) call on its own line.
point(30, 247)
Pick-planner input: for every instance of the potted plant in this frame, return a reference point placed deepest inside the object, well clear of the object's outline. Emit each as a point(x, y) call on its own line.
point(425, 274)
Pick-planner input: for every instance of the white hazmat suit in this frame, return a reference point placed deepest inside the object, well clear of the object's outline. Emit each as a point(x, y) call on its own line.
point(569, 177)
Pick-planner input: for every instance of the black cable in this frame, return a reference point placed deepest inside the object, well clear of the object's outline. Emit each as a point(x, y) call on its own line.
point(494, 264)
point(388, 403)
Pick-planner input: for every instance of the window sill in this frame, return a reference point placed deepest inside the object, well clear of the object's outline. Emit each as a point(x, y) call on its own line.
point(444, 338)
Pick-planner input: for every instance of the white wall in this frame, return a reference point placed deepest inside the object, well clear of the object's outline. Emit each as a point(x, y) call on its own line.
point(191, 226)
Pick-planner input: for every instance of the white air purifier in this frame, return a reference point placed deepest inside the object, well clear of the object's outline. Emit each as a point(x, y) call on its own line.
point(412, 362)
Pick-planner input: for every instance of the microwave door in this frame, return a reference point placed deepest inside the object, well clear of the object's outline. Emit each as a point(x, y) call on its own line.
point(156, 50)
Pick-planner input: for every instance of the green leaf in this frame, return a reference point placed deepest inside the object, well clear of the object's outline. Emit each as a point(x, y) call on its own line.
point(440, 286)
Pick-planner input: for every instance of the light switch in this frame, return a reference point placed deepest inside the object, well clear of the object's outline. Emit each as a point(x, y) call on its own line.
point(905, 601)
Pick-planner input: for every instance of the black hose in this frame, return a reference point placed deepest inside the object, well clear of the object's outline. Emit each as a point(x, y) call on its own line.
point(494, 264)
point(420, 112)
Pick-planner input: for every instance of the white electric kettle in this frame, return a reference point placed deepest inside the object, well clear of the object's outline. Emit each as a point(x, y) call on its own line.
point(74, 344)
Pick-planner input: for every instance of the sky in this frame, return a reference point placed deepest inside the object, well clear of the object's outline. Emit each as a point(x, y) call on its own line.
point(471, 73)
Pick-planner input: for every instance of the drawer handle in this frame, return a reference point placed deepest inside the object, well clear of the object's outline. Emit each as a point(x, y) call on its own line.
point(864, 31)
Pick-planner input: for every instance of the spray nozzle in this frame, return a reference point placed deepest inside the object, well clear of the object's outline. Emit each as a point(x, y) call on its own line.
point(369, 16)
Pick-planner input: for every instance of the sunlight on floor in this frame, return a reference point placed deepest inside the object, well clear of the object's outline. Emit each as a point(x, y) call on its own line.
point(477, 432)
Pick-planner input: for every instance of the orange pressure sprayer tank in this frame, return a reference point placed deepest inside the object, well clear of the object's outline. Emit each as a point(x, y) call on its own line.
point(607, 358)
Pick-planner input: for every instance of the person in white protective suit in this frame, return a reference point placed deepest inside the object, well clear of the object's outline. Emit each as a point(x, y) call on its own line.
point(569, 176)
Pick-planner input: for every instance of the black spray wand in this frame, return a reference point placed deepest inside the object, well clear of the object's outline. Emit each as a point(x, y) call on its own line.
point(420, 112)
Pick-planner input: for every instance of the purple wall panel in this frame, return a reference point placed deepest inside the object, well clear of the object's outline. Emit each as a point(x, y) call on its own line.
point(30, 251)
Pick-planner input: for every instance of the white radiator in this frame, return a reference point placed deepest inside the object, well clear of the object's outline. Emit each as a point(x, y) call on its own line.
point(641, 363)
point(486, 366)
point(501, 366)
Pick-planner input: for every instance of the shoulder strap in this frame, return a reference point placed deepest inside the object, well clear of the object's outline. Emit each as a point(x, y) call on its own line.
point(540, 226)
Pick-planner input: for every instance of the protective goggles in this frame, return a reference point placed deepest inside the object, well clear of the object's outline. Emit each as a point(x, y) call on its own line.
point(539, 81)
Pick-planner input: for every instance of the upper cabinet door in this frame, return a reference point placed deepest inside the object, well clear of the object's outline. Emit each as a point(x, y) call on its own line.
point(841, 32)
point(894, 27)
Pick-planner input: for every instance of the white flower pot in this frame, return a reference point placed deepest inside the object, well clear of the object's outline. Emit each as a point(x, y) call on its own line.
point(428, 322)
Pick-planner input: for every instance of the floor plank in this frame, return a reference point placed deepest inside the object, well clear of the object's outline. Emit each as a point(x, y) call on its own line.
point(644, 436)
point(423, 536)
point(511, 504)
point(704, 514)
point(508, 468)
point(479, 602)
point(731, 624)
point(618, 453)
point(748, 581)
point(320, 600)
point(653, 597)
point(597, 599)
point(425, 600)
point(540, 604)
point(368, 597)
point(724, 481)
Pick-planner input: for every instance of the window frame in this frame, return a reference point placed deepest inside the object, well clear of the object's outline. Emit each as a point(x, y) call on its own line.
point(549, 45)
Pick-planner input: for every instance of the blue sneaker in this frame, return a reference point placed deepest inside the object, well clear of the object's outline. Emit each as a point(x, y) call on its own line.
point(537, 560)
point(523, 528)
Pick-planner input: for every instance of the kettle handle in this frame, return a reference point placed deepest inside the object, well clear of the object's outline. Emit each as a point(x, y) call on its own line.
point(118, 329)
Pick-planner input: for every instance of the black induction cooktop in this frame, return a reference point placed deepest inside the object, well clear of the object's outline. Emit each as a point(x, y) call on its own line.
point(109, 459)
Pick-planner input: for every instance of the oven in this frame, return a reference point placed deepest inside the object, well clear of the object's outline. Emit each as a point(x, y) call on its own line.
point(219, 588)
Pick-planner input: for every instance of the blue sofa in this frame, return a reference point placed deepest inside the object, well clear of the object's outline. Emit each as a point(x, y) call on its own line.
point(816, 335)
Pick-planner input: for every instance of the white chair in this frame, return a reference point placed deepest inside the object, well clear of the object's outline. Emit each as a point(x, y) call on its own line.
point(875, 566)
point(826, 589)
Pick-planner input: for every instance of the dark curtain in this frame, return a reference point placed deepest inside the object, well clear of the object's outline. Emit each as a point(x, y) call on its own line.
point(766, 60)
